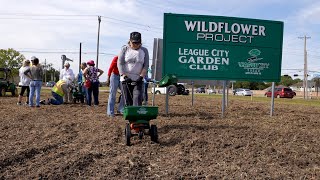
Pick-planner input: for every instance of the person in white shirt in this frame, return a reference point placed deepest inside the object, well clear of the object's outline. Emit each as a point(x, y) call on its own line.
point(67, 75)
point(24, 82)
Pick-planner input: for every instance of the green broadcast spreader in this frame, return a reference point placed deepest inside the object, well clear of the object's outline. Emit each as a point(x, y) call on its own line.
point(139, 117)
point(139, 120)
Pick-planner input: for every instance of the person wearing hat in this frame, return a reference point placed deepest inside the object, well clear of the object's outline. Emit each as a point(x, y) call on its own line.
point(133, 65)
point(67, 75)
point(35, 73)
point(24, 82)
point(32, 59)
point(92, 74)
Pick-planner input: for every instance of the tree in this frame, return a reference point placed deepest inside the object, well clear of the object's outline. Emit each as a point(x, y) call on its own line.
point(12, 59)
point(50, 73)
point(288, 81)
point(250, 85)
point(316, 84)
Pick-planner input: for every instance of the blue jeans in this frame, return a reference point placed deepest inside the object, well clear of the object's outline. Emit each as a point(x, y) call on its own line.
point(114, 85)
point(83, 90)
point(35, 87)
point(57, 99)
point(94, 89)
point(145, 91)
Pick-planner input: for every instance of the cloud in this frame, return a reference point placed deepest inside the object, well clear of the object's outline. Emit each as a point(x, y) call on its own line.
point(28, 26)
point(310, 14)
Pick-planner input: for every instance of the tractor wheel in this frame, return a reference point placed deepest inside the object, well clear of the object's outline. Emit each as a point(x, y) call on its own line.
point(82, 100)
point(180, 89)
point(172, 90)
point(127, 133)
point(14, 92)
point(154, 133)
point(3, 92)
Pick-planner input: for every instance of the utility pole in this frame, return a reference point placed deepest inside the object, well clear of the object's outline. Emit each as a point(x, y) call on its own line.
point(45, 71)
point(99, 20)
point(305, 74)
point(80, 56)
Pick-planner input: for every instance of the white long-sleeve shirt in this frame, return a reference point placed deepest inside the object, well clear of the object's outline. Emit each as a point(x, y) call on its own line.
point(132, 61)
point(24, 80)
point(67, 75)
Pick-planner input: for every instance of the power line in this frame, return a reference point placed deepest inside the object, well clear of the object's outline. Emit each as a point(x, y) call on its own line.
point(67, 15)
point(131, 22)
point(45, 19)
point(64, 52)
point(137, 27)
point(22, 14)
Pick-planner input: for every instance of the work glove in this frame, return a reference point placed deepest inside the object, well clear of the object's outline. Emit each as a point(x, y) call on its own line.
point(127, 79)
point(140, 79)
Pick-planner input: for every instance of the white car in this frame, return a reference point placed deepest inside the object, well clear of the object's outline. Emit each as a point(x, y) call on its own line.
point(244, 92)
point(211, 91)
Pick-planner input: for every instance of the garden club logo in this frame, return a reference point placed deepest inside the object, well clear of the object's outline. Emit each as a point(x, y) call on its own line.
point(251, 66)
point(142, 111)
point(254, 53)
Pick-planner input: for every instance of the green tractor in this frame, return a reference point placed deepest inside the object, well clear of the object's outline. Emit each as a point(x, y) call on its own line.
point(6, 82)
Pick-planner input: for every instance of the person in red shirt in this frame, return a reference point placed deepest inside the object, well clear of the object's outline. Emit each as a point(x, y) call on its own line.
point(113, 82)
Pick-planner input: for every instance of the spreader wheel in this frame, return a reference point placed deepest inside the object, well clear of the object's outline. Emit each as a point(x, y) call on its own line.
point(140, 135)
point(154, 133)
point(127, 133)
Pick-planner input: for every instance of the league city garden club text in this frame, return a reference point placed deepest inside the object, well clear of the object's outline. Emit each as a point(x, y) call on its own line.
point(228, 32)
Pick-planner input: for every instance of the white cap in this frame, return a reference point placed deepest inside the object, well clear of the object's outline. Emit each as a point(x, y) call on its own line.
point(66, 64)
point(33, 58)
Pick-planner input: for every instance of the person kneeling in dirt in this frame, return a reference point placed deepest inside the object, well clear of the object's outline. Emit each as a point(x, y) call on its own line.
point(58, 91)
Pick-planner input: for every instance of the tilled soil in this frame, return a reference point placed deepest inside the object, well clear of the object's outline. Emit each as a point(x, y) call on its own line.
point(73, 141)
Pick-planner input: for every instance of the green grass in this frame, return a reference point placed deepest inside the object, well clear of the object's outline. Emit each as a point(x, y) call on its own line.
point(295, 100)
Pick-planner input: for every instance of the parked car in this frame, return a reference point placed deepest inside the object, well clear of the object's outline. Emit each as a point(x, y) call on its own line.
point(201, 90)
point(281, 92)
point(211, 91)
point(50, 84)
point(178, 89)
point(244, 92)
point(236, 90)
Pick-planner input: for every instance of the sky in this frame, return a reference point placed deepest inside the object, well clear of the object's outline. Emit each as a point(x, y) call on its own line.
point(49, 29)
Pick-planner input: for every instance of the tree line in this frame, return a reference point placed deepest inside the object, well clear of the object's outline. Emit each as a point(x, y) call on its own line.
point(12, 59)
point(285, 81)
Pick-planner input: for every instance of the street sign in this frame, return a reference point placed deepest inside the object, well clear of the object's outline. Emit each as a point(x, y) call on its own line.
point(222, 48)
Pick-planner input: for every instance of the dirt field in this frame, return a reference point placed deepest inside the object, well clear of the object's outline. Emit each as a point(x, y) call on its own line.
point(76, 142)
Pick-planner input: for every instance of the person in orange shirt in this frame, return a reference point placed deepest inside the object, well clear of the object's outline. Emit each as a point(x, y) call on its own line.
point(113, 82)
